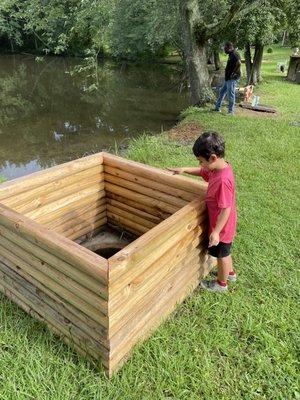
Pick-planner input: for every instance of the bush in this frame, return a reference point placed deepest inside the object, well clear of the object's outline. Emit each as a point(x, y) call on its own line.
point(270, 50)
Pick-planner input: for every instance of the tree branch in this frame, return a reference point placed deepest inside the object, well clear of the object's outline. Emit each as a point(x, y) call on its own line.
point(237, 10)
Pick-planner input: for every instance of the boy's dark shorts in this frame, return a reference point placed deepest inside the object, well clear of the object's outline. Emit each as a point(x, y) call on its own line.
point(221, 250)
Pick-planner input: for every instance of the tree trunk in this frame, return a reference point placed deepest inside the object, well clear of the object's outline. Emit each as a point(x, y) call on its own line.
point(248, 61)
point(195, 55)
point(283, 39)
point(255, 75)
point(217, 60)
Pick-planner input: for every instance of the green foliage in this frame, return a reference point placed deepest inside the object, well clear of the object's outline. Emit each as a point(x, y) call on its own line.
point(292, 21)
point(270, 50)
point(131, 28)
point(13, 98)
point(143, 27)
point(10, 23)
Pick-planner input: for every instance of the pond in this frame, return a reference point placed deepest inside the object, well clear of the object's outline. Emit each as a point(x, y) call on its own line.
point(49, 114)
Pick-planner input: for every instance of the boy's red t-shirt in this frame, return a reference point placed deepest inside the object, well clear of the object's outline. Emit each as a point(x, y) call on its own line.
point(221, 194)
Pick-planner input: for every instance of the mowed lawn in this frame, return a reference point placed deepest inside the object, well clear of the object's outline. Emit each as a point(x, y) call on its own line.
point(241, 345)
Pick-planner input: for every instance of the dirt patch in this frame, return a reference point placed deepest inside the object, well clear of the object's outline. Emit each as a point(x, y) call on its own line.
point(185, 133)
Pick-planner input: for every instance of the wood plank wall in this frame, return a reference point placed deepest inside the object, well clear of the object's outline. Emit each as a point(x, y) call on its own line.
point(69, 198)
point(139, 197)
point(150, 276)
point(57, 281)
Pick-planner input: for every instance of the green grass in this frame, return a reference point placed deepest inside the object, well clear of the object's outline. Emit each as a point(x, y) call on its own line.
point(242, 345)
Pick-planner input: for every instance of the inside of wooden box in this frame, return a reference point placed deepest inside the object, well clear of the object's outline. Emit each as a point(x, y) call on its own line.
point(107, 241)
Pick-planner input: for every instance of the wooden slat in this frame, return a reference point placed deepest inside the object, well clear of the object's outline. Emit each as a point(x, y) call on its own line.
point(77, 212)
point(65, 201)
point(137, 303)
point(152, 193)
point(71, 252)
point(30, 308)
point(140, 198)
point(183, 221)
point(139, 267)
point(84, 219)
point(156, 174)
point(60, 279)
point(87, 232)
point(152, 184)
point(86, 227)
point(54, 186)
point(136, 205)
point(130, 216)
point(163, 302)
point(122, 298)
point(51, 259)
point(134, 211)
point(127, 224)
point(65, 294)
point(95, 330)
point(28, 293)
point(72, 206)
point(19, 185)
point(57, 195)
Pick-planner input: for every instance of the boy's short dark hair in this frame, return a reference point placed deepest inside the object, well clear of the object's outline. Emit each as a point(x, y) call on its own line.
point(209, 143)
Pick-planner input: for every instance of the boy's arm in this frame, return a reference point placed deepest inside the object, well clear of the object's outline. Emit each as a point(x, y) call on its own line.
point(214, 237)
point(187, 170)
point(224, 201)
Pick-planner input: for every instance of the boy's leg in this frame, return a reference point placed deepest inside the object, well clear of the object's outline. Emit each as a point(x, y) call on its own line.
point(224, 268)
point(221, 97)
point(231, 85)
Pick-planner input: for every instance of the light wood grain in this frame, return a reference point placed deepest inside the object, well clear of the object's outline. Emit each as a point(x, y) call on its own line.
point(65, 201)
point(71, 252)
point(54, 187)
point(155, 212)
point(140, 198)
point(156, 174)
point(36, 179)
point(152, 193)
point(184, 220)
point(62, 292)
point(60, 279)
point(27, 292)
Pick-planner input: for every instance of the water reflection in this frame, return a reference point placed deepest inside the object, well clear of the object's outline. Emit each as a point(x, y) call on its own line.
point(47, 115)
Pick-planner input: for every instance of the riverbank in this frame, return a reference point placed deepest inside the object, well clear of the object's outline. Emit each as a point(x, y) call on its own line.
point(238, 346)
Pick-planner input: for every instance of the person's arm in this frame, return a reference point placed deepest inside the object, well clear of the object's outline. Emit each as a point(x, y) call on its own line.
point(214, 237)
point(186, 170)
point(237, 66)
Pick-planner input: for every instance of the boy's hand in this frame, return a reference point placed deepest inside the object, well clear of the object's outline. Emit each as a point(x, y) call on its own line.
point(214, 239)
point(176, 170)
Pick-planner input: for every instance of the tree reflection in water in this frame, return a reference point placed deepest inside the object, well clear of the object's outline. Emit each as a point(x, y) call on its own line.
point(48, 115)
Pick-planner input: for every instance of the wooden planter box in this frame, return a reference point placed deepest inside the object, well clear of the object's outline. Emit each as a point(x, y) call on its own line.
point(101, 307)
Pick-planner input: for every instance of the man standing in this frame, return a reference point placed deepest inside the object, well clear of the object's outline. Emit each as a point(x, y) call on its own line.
point(232, 75)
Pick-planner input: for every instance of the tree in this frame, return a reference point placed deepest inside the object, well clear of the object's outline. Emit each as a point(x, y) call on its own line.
point(202, 21)
point(257, 29)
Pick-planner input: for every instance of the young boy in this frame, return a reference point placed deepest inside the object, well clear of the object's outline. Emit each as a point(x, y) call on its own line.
point(209, 149)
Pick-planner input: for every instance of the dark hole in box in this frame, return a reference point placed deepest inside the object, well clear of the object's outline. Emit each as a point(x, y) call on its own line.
point(108, 241)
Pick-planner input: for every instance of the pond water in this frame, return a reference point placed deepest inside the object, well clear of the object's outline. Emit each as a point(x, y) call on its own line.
point(49, 115)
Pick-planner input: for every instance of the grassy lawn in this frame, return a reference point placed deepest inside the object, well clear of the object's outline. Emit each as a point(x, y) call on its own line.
point(242, 345)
